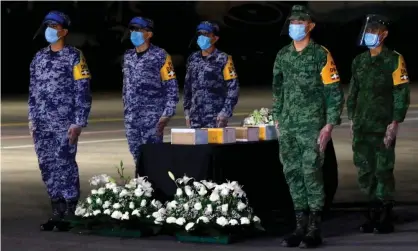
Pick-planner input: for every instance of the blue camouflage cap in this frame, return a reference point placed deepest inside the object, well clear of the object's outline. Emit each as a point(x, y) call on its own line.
point(142, 23)
point(209, 27)
point(57, 17)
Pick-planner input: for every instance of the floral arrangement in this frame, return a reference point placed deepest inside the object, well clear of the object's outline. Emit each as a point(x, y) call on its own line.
point(128, 203)
point(205, 208)
point(259, 117)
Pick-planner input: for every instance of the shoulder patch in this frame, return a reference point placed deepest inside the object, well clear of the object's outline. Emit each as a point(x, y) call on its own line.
point(229, 69)
point(400, 75)
point(167, 71)
point(81, 70)
point(329, 72)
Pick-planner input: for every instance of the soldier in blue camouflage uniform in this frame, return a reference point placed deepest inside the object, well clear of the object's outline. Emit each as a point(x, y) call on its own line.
point(150, 90)
point(211, 85)
point(59, 106)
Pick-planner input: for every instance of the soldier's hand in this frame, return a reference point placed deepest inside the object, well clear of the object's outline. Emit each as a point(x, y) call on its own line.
point(188, 123)
point(221, 122)
point(73, 134)
point(390, 135)
point(162, 123)
point(324, 137)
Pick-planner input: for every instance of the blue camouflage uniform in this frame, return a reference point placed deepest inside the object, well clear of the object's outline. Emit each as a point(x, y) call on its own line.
point(150, 91)
point(59, 97)
point(211, 86)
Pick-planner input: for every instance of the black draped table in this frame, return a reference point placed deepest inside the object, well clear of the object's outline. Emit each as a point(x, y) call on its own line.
point(255, 165)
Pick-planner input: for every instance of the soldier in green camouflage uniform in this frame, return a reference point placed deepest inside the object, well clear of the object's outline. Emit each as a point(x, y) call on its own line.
point(378, 100)
point(307, 105)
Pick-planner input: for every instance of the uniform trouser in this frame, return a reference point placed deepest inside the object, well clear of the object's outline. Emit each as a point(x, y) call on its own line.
point(57, 161)
point(375, 164)
point(302, 167)
point(138, 136)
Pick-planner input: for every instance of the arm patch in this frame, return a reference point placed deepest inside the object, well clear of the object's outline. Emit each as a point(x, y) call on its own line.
point(229, 70)
point(329, 72)
point(81, 70)
point(400, 75)
point(167, 71)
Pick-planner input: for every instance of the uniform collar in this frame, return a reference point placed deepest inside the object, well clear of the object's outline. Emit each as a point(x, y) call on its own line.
point(293, 49)
point(59, 53)
point(213, 54)
point(381, 54)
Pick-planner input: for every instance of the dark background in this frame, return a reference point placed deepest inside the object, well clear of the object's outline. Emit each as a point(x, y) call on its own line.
point(249, 34)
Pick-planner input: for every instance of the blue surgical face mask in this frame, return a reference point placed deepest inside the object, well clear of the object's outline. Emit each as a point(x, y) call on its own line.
point(137, 38)
point(371, 40)
point(297, 31)
point(203, 42)
point(51, 35)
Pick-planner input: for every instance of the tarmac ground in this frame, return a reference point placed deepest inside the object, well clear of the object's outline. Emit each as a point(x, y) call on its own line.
point(102, 145)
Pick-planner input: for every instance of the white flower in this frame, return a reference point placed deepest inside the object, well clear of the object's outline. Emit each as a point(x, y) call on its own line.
point(110, 185)
point(138, 192)
point(125, 216)
point(189, 226)
point(87, 215)
point(99, 201)
point(208, 210)
point(202, 191)
point(131, 205)
point(115, 190)
point(184, 180)
point(116, 206)
point(136, 212)
point(225, 192)
point(179, 192)
point(171, 220)
point(188, 191)
point(89, 200)
point(241, 206)
point(225, 208)
point(123, 193)
point(156, 215)
point(116, 215)
point(222, 221)
point(94, 191)
point(198, 206)
point(143, 203)
point(172, 205)
point(214, 196)
point(106, 204)
point(107, 211)
point(233, 222)
point(180, 221)
point(208, 184)
point(80, 211)
point(197, 185)
point(156, 203)
point(101, 191)
point(186, 207)
point(245, 221)
point(203, 218)
point(256, 219)
point(96, 212)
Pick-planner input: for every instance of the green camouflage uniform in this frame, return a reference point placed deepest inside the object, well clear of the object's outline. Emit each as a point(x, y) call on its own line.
point(379, 94)
point(307, 96)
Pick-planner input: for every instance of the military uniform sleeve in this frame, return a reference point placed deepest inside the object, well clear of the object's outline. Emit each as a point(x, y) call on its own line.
point(125, 80)
point(83, 99)
point(334, 95)
point(353, 91)
point(401, 92)
point(231, 79)
point(277, 88)
point(187, 90)
point(168, 77)
point(32, 90)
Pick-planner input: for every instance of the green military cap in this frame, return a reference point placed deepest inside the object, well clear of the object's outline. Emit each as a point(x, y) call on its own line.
point(299, 12)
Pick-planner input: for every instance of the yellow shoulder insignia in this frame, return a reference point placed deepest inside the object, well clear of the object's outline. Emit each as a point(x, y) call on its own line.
point(229, 69)
point(81, 70)
point(167, 71)
point(400, 75)
point(329, 73)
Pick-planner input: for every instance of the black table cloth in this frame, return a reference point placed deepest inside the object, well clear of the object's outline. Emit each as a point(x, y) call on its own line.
point(255, 165)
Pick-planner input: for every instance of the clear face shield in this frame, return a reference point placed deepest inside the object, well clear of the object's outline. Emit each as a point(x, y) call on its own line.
point(372, 30)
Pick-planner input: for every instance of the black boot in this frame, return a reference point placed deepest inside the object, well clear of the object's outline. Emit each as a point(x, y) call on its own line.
point(294, 239)
point(313, 238)
point(65, 224)
point(372, 218)
point(385, 223)
point(55, 219)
